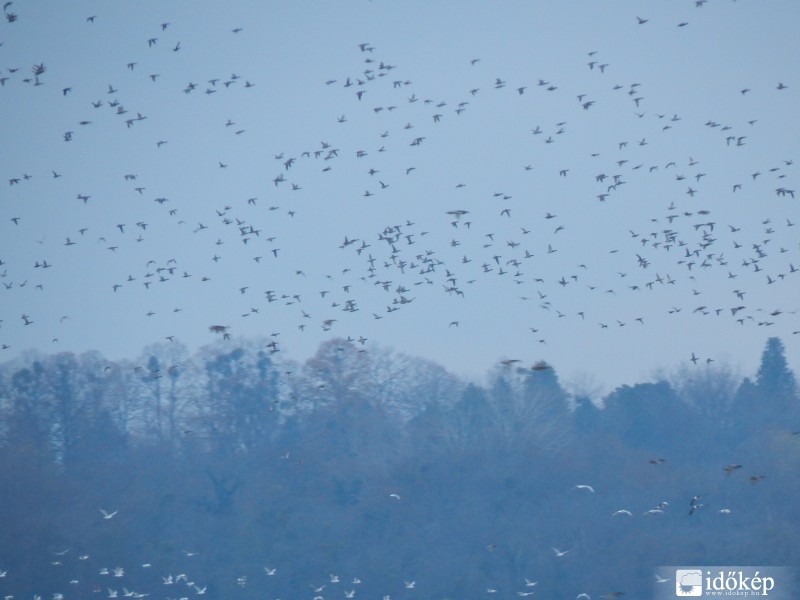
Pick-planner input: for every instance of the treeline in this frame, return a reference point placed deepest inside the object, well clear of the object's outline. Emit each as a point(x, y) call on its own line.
point(368, 464)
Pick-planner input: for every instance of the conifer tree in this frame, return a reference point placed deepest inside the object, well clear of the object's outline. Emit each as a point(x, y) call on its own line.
point(774, 377)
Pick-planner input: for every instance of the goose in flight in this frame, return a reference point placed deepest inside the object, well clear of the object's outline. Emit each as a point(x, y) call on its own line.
point(509, 361)
point(731, 468)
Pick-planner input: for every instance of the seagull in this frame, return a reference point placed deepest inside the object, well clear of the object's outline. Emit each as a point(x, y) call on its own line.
point(622, 511)
point(583, 486)
point(560, 552)
point(108, 515)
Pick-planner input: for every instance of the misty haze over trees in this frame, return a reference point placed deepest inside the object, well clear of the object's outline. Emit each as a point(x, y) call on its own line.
point(362, 463)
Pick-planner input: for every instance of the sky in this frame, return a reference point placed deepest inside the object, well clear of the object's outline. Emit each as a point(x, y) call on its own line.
point(607, 186)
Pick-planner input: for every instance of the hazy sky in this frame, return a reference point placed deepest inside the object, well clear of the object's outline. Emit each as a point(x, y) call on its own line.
point(298, 170)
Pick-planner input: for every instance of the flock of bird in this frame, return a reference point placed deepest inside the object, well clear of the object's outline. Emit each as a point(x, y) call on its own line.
point(676, 260)
point(113, 581)
point(372, 222)
point(84, 575)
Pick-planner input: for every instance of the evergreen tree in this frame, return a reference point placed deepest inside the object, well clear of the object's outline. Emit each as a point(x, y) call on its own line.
point(774, 377)
point(775, 385)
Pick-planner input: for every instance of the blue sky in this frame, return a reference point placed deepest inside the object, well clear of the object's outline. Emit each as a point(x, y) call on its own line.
point(539, 267)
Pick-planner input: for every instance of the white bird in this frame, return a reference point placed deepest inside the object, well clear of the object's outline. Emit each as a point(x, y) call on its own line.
point(350, 594)
point(583, 486)
point(108, 515)
point(583, 595)
point(270, 571)
point(395, 496)
point(410, 584)
point(529, 583)
point(560, 552)
point(660, 579)
point(622, 511)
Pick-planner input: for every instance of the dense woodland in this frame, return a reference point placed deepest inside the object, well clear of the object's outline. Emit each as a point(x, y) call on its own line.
point(362, 463)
